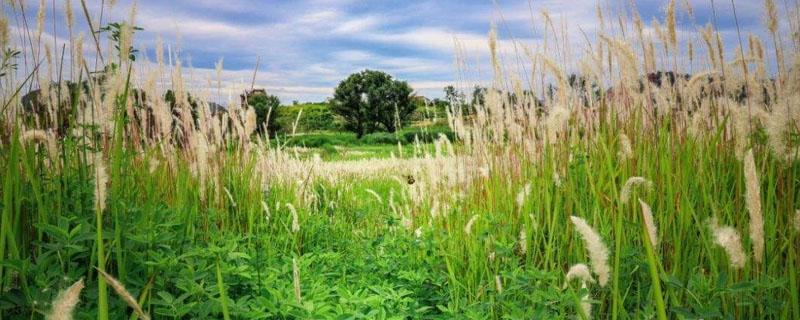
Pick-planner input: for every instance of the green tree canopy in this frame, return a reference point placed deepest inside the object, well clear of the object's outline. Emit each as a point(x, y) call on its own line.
point(370, 100)
point(263, 103)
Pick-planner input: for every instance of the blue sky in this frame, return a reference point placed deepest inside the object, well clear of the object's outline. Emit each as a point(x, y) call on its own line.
point(308, 46)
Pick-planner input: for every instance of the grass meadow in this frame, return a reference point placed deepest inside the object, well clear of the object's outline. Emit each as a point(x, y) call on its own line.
point(670, 201)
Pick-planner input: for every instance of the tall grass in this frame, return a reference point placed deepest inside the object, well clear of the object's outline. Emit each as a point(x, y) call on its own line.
point(208, 220)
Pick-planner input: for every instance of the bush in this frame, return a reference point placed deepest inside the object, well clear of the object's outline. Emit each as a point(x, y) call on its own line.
point(427, 134)
point(320, 140)
point(315, 117)
point(381, 138)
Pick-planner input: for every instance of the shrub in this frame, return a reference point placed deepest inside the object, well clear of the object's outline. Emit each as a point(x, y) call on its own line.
point(315, 117)
point(427, 134)
point(322, 139)
point(381, 138)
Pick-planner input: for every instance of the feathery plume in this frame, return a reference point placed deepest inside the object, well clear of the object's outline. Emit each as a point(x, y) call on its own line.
point(555, 122)
point(772, 16)
point(598, 252)
point(671, 28)
point(728, 238)
point(296, 281)
point(295, 218)
point(754, 206)
point(647, 215)
point(581, 272)
point(781, 126)
point(522, 194)
point(708, 35)
point(69, 14)
point(230, 196)
point(251, 123)
point(40, 17)
point(124, 294)
point(468, 226)
point(64, 304)
point(556, 70)
point(556, 179)
point(523, 242)
point(267, 213)
point(4, 31)
point(493, 50)
point(498, 283)
point(374, 194)
point(625, 194)
point(100, 182)
point(625, 55)
point(797, 220)
point(625, 149)
point(48, 138)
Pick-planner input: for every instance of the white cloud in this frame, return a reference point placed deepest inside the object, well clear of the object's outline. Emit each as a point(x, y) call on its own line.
point(357, 25)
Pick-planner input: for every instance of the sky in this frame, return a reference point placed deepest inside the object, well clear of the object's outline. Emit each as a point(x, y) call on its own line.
point(306, 47)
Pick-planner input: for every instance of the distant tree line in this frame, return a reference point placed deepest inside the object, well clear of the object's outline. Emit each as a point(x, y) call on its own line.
point(373, 101)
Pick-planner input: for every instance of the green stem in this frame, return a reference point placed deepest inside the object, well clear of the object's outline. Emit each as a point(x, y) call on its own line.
point(654, 278)
point(223, 298)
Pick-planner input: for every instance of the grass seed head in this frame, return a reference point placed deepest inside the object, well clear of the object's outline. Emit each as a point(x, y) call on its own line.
point(468, 226)
point(498, 283)
point(625, 149)
point(797, 220)
point(754, 206)
point(296, 281)
point(649, 223)
point(625, 194)
point(728, 238)
point(581, 272)
point(598, 252)
point(64, 304)
point(295, 218)
point(124, 294)
point(100, 182)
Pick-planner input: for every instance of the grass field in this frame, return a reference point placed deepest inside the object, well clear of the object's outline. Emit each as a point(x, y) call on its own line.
point(676, 201)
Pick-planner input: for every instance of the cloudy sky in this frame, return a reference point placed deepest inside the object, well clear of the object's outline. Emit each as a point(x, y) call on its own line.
point(308, 46)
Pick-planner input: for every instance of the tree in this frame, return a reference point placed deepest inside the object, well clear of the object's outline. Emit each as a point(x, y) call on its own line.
point(371, 100)
point(263, 103)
